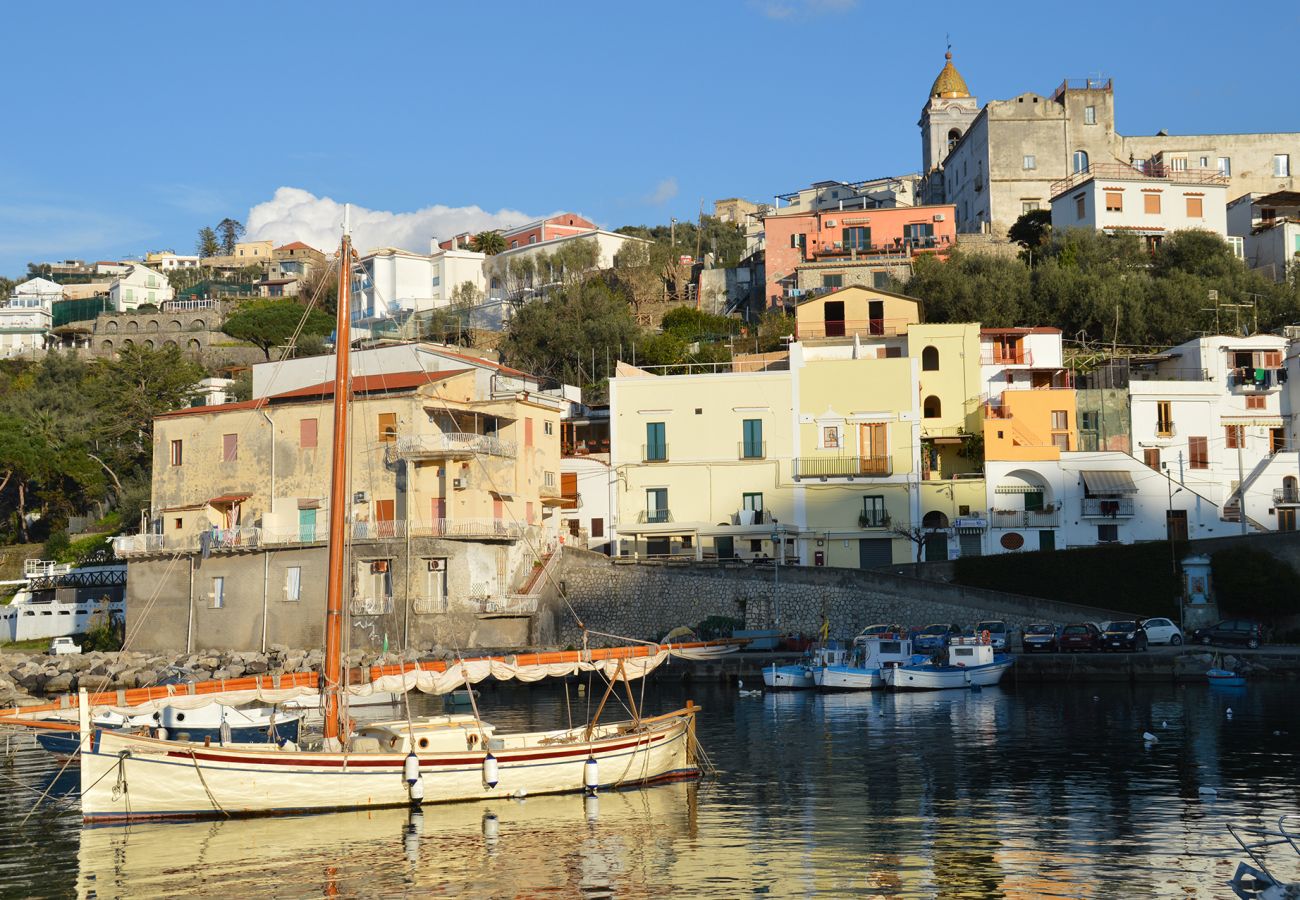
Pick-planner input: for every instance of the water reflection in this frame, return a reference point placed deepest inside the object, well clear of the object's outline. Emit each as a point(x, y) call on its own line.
point(1014, 792)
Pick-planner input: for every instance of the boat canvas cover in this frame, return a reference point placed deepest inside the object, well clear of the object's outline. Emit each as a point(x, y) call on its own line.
point(1108, 481)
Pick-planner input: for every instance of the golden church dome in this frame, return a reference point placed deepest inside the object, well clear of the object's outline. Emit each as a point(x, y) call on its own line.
point(949, 84)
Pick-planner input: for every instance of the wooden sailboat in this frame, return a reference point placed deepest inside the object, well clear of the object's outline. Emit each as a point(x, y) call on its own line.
point(425, 760)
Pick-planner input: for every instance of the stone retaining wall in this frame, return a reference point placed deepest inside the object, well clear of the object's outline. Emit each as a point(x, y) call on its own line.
point(645, 600)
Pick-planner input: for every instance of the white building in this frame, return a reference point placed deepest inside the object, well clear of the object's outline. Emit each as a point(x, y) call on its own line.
point(1268, 226)
point(608, 243)
point(1019, 359)
point(140, 285)
point(587, 520)
point(26, 318)
point(167, 261)
point(1211, 413)
point(1089, 498)
point(453, 268)
point(1149, 201)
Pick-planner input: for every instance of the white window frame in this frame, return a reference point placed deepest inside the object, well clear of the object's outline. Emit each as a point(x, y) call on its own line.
point(218, 593)
point(1090, 115)
point(1030, 161)
point(1281, 165)
point(293, 584)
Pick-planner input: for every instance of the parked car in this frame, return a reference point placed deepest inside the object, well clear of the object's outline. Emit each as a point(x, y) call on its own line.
point(999, 633)
point(1079, 636)
point(63, 646)
point(1039, 636)
point(1124, 634)
point(935, 637)
point(882, 631)
point(1162, 631)
point(1231, 631)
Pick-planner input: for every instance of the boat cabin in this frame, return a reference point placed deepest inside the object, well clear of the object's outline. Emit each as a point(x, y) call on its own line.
point(969, 652)
point(454, 733)
point(877, 652)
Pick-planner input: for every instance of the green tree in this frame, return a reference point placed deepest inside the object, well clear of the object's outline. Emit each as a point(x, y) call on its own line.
point(489, 242)
point(1032, 229)
point(230, 230)
point(138, 385)
point(1254, 584)
point(570, 334)
point(207, 243)
point(271, 323)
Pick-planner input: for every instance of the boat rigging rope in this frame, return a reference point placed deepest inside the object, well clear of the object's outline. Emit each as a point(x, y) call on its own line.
point(204, 782)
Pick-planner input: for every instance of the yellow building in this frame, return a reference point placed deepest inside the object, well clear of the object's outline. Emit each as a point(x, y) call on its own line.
point(856, 311)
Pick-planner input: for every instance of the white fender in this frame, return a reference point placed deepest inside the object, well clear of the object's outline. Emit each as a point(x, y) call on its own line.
point(411, 768)
point(491, 773)
point(590, 775)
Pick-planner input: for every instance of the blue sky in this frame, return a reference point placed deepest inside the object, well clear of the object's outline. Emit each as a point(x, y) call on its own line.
point(133, 125)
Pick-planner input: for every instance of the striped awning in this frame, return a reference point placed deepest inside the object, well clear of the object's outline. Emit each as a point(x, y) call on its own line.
point(1016, 489)
point(1253, 421)
point(1109, 481)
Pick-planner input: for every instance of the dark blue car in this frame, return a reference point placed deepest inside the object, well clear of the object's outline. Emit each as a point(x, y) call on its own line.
point(935, 637)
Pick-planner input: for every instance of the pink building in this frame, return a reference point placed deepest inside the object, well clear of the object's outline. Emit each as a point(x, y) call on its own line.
point(835, 248)
point(537, 232)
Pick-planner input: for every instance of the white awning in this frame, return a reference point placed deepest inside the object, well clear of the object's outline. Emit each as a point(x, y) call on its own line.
point(1016, 489)
point(1109, 481)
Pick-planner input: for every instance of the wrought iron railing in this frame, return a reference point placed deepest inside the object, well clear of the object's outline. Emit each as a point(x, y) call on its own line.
point(1107, 507)
point(842, 466)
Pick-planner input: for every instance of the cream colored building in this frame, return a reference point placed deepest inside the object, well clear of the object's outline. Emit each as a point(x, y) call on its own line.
point(454, 500)
point(139, 286)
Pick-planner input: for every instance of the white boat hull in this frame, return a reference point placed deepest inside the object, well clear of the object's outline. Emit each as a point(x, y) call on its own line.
point(126, 777)
point(845, 678)
point(938, 678)
point(788, 678)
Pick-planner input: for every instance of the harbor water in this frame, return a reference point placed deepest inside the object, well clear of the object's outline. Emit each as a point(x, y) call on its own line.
point(1028, 791)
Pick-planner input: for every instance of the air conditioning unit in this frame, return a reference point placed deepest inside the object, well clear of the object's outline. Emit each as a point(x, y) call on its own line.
point(938, 217)
point(830, 223)
point(435, 565)
point(460, 483)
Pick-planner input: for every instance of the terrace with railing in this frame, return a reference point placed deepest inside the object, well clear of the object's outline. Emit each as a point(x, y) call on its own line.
point(849, 328)
point(1024, 518)
point(842, 466)
point(448, 445)
point(899, 247)
point(1149, 172)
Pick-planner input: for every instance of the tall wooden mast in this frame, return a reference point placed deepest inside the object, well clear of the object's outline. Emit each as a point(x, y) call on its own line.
point(331, 671)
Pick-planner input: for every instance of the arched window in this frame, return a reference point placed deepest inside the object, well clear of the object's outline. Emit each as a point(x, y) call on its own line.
point(1290, 490)
point(934, 519)
point(930, 359)
point(1080, 160)
point(932, 408)
point(954, 136)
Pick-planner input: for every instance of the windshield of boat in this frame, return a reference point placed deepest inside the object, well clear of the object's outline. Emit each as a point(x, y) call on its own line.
point(1039, 629)
point(1123, 626)
point(1076, 629)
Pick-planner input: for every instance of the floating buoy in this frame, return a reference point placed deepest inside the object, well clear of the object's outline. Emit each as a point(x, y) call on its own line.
point(1164, 724)
point(1150, 738)
point(590, 775)
point(491, 774)
point(1208, 792)
point(1229, 712)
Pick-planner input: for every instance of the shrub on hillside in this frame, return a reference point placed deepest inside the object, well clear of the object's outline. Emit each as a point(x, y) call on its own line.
point(1254, 585)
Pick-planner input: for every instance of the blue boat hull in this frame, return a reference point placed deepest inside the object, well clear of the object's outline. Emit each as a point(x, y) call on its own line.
point(64, 743)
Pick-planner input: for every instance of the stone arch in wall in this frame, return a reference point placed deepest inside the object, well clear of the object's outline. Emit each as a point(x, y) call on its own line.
point(110, 325)
point(148, 345)
point(174, 325)
point(128, 343)
point(153, 325)
point(934, 519)
point(132, 325)
point(198, 325)
point(106, 346)
point(169, 343)
point(194, 345)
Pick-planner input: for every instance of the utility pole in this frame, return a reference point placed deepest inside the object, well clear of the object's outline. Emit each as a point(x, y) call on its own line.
point(672, 231)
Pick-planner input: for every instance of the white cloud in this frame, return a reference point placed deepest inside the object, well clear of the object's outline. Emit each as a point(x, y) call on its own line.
point(297, 215)
point(788, 9)
point(663, 192)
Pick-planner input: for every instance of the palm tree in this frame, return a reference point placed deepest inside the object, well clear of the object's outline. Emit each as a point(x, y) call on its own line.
point(489, 242)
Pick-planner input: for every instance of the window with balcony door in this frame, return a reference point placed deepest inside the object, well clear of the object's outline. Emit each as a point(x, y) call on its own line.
point(752, 502)
point(1198, 452)
point(752, 439)
point(656, 448)
point(177, 453)
point(1114, 201)
point(218, 594)
point(832, 281)
point(1164, 418)
point(857, 237)
point(873, 512)
point(387, 428)
point(656, 505)
point(1080, 161)
point(1234, 437)
point(918, 234)
point(1225, 165)
point(1151, 203)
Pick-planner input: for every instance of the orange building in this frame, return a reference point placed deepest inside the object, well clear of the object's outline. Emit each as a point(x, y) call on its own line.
point(1035, 424)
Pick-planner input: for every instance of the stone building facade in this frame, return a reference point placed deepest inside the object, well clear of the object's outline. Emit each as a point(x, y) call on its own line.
point(195, 332)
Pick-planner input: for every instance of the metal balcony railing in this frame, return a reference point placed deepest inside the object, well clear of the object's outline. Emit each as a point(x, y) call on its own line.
point(371, 606)
point(654, 516)
point(848, 328)
point(511, 605)
point(1107, 507)
point(842, 466)
point(654, 453)
point(751, 517)
point(874, 519)
point(449, 445)
point(1284, 497)
point(470, 529)
point(1024, 518)
point(752, 449)
point(995, 357)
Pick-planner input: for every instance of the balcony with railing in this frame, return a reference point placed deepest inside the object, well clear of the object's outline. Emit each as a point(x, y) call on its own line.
point(654, 516)
point(745, 517)
point(654, 453)
point(1107, 507)
point(849, 328)
point(1151, 171)
point(1024, 518)
point(902, 247)
point(874, 518)
point(990, 356)
point(752, 449)
point(371, 606)
point(511, 605)
point(470, 530)
point(842, 466)
point(1286, 497)
point(217, 540)
point(449, 445)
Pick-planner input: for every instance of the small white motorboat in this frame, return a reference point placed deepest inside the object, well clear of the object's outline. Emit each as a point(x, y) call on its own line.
point(863, 669)
point(971, 663)
point(801, 676)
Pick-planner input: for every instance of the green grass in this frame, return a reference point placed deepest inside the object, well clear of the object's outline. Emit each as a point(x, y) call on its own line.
point(33, 644)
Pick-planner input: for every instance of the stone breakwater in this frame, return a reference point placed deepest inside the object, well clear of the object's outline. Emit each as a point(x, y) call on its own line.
point(25, 678)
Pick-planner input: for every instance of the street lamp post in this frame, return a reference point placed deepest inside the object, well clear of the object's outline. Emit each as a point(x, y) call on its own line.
point(1169, 536)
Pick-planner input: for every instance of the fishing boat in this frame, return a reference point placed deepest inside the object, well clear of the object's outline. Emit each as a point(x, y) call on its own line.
point(209, 724)
point(971, 663)
point(1219, 676)
point(863, 671)
point(412, 760)
point(801, 676)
